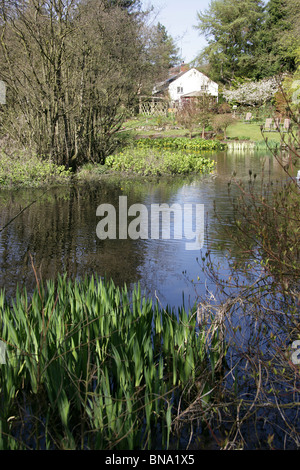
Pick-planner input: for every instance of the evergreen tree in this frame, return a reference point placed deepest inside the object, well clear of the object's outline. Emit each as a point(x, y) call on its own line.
point(125, 4)
point(276, 49)
point(231, 28)
point(161, 53)
point(166, 50)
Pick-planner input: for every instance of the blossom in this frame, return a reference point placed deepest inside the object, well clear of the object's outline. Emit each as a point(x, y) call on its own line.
point(253, 93)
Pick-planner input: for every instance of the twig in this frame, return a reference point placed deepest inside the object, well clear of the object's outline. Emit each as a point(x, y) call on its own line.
point(21, 211)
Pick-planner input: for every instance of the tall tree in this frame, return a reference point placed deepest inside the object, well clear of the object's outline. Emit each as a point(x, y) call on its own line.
point(276, 48)
point(129, 5)
point(231, 28)
point(160, 53)
point(72, 68)
point(166, 47)
point(291, 39)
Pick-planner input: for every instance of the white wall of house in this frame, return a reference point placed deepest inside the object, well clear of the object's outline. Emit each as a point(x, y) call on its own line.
point(191, 81)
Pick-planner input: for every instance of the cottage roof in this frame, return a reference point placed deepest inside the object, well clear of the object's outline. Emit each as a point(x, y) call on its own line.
point(174, 75)
point(160, 86)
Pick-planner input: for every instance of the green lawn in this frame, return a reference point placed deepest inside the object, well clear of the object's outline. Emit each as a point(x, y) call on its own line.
point(148, 126)
point(252, 131)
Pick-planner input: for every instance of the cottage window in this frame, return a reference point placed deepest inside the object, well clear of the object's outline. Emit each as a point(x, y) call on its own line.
point(179, 89)
point(204, 87)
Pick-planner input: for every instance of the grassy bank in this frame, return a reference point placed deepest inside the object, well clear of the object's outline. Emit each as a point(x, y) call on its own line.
point(165, 156)
point(169, 155)
point(20, 169)
point(139, 157)
point(250, 131)
point(92, 366)
point(166, 127)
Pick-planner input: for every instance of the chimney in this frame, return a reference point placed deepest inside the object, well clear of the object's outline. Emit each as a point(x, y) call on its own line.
point(184, 67)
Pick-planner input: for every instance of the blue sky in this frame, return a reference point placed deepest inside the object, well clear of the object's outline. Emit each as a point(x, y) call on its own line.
point(179, 16)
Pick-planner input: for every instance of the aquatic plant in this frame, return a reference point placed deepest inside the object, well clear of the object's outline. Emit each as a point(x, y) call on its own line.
point(149, 162)
point(180, 143)
point(93, 366)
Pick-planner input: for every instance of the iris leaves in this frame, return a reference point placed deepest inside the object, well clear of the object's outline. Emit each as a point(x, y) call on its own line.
point(97, 367)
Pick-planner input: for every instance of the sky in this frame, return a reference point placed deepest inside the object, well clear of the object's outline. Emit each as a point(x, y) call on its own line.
point(179, 17)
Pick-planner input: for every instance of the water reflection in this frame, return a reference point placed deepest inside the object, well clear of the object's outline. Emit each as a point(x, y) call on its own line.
point(59, 230)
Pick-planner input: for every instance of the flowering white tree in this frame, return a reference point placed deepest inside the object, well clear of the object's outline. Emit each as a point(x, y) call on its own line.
point(253, 93)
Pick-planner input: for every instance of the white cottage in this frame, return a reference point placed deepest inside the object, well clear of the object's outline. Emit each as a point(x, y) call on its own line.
point(186, 84)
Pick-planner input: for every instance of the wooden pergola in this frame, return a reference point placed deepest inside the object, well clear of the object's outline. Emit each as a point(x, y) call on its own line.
point(153, 105)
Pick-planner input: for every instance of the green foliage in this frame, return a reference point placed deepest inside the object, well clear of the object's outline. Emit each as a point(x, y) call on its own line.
point(180, 143)
point(73, 69)
point(279, 38)
point(30, 171)
point(126, 4)
point(222, 121)
point(195, 112)
point(148, 162)
point(164, 52)
point(241, 130)
point(231, 27)
point(249, 39)
point(98, 367)
point(165, 156)
point(89, 171)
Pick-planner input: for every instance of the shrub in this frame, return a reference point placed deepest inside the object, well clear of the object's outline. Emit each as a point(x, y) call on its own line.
point(222, 121)
point(30, 171)
point(180, 143)
point(150, 163)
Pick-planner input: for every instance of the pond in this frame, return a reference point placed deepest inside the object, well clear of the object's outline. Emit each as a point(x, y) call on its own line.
point(58, 232)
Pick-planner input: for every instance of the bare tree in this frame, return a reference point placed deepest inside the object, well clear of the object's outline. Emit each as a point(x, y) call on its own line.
point(72, 68)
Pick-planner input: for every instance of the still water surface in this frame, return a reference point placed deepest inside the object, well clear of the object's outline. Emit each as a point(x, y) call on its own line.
point(59, 230)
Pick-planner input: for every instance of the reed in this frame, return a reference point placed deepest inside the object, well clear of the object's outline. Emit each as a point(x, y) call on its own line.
point(93, 366)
